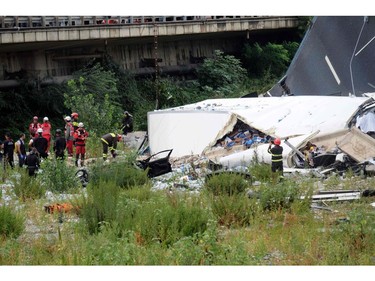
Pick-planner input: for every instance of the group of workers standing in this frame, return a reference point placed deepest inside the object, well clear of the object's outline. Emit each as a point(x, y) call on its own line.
point(74, 136)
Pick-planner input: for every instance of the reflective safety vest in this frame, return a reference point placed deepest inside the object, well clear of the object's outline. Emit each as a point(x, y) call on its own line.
point(276, 153)
point(110, 140)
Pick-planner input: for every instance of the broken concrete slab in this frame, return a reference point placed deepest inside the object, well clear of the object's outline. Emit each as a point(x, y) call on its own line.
point(357, 145)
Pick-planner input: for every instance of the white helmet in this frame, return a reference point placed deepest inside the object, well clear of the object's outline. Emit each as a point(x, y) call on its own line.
point(80, 125)
point(67, 118)
point(45, 119)
point(40, 130)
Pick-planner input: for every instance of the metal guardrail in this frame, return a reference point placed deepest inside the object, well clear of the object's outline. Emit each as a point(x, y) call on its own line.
point(29, 22)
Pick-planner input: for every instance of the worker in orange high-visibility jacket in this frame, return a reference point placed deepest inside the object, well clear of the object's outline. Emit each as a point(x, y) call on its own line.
point(80, 137)
point(109, 141)
point(46, 127)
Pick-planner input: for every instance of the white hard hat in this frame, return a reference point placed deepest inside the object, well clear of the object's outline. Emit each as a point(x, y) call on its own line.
point(80, 125)
point(45, 119)
point(67, 118)
point(40, 130)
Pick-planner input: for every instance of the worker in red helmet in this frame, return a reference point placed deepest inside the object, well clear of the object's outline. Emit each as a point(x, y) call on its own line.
point(33, 127)
point(110, 141)
point(276, 150)
point(75, 120)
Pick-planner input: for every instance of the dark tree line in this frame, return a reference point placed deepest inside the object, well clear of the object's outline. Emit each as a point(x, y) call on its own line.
point(104, 88)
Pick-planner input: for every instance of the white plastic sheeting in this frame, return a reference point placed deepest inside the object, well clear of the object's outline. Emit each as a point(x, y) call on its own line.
point(190, 129)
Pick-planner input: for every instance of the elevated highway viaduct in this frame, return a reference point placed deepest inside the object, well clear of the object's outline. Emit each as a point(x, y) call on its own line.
point(50, 49)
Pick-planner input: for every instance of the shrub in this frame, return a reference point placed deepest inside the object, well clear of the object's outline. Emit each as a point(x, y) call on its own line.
point(358, 232)
point(226, 183)
point(100, 206)
point(58, 176)
point(162, 220)
point(139, 193)
point(279, 196)
point(261, 172)
point(200, 249)
point(123, 174)
point(26, 187)
point(236, 210)
point(11, 224)
point(94, 147)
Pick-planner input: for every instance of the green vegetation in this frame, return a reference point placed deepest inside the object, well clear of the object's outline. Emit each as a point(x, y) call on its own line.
point(26, 187)
point(120, 223)
point(119, 219)
point(100, 91)
point(11, 223)
point(93, 94)
point(58, 176)
point(226, 184)
point(123, 174)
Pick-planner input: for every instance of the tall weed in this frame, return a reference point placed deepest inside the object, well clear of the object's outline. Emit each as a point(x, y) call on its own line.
point(58, 176)
point(261, 172)
point(233, 211)
point(279, 196)
point(11, 223)
point(26, 187)
point(101, 205)
point(124, 175)
point(165, 221)
point(226, 184)
point(358, 232)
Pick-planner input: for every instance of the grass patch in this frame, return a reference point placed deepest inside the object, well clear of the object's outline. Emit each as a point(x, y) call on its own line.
point(58, 176)
point(140, 226)
point(226, 184)
point(26, 187)
point(11, 223)
point(123, 174)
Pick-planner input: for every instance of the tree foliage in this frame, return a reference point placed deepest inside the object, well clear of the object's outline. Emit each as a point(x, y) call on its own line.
point(19, 105)
point(271, 59)
point(221, 73)
point(93, 94)
point(101, 90)
point(128, 95)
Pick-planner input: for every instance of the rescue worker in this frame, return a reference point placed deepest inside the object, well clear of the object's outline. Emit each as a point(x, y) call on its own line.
point(32, 162)
point(40, 143)
point(277, 156)
point(110, 141)
point(127, 123)
point(59, 145)
point(21, 150)
point(46, 127)
point(33, 127)
point(75, 120)
point(69, 132)
point(8, 151)
point(80, 137)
